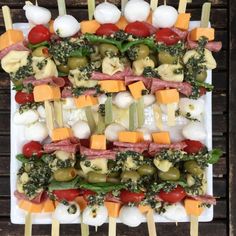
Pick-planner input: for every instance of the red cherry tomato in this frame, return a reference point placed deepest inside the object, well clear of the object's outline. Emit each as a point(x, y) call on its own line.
point(22, 97)
point(193, 146)
point(138, 29)
point(32, 148)
point(167, 36)
point(87, 193)
point(202, 91)
point(127, 196)
point(39, 34)
point(176, 195)
point(107, 29)
point(68, 194)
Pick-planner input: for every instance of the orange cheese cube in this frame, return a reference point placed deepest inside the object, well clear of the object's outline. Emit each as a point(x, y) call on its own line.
point(46, 92)
point(81, 202)
point(197, 33)
point(183, 21)
point(136, 89)
point(144, 209)
point(122, 23)
point(10, 37)
point(98, 142)
point(48, 206)
point(161, 137)
point(113, 209)
point(193, 207)
point(112, 86)
point(167, 96)
point(89, 26)
point(130, 136)
point(85, 101)
point(62, 133)
point(30, 206)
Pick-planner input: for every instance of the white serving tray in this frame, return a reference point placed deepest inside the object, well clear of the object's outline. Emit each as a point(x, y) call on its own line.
point(17, 141)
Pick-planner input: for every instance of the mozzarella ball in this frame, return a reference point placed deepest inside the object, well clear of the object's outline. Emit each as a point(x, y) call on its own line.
point(41, 111)
point(37, 15)
point(36, 132)
point(81, 130)
point(147, 134)
point(25, 118)
point(194, 131)
point(131, 216)
point(112, 131)
point(67, 214)
point(175, 212)
point(148, 99)
point(95, 216)
point(107, 13)
point(102, 99)
point(164, 16)
point(164, 107)
point(69, 103)
point(193, 108)
point(123, 100)
point(136, 10)
point(66, 26)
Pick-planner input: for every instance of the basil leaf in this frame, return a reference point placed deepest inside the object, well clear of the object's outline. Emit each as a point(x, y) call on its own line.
point(57, 185)
point(101, 187)
point(208, 87)
point(148, 41)
point(34, 46)
point(18, 87)
point(62, 74)
point(22, 158)
point(81, 52)
point(215, 155)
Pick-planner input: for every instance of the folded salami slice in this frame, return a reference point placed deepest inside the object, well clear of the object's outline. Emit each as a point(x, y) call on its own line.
point(207, 199)
point(54, 81)
point(182, 34)
point(41, 197)
point(93, 154)
point(66, 92)
point(134, 149)
point(132, 79)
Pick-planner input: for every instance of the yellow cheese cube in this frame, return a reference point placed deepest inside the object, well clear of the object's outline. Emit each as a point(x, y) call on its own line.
point(197, 33)
point(85, 101)
point(183, 21)
point(98, 142)
point(61, 133)
point(46, 92)
point(193, 207)
point(167, 96)
point(161, 137)
point(130, 137)
point(136, 89)
point(112, 86)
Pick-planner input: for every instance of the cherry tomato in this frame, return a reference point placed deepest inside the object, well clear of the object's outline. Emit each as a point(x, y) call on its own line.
point(127, 196)
point(138, 29)
point(193, 146)
point(39, 34)
point(167, 36)
point(107, 29)
point(32, 148)
point(87, 193)
point(68, 194)
point(111, 198)
point(202, 91)
point(22, 97)
point(176, 195)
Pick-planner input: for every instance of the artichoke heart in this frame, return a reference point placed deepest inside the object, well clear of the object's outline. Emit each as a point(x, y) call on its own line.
point(139, 65)
point(112, 65)
point(172, 73)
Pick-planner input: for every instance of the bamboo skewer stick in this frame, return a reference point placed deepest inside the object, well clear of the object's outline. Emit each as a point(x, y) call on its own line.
point(206, 11)
point(182, 6)
point(151, 223)
point(154, 4)
point(123, 3)
point(91, 8)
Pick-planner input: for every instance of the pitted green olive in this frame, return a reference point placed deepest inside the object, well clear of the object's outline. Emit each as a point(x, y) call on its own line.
point(106, 48)
point(166, 58)
point(172, 174)
point(65, 174)
point(142, 51)
point(193, 168)
point(40, 52)
point(146, 170)
point(63, 68)
point(201, 76)
point(94, 177)
point(134, 176)
point(77, 62)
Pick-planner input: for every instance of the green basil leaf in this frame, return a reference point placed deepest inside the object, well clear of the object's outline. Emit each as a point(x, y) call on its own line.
point(58, 185)
point(34, 46)
point(215, 155)
point(101, 187)
point(22, 158)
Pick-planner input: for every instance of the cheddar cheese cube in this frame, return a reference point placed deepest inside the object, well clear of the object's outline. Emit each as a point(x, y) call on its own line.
point(193, 207)
point(167, 96)
point(112, 86)
point(48, 206)
point(85, 101)
point(62, 133)
point(130, 137)
point(136, 89)
point(10, 37)
point(98, 142)
point(89, 26)
point(46, 92)
point(113, 208)
point(81, 202)
point(197, 33)
point(30, 206)
point(183, 21)
point(122, 23)
point(161, 137)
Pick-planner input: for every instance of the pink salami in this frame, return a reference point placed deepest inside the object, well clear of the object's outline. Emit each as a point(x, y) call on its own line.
point(41, 197)
point(14, 47)
point(66, 92)
point(207, 199)
point(93, 154)
point(182, 34)
point(132, 79)
point(54, 81)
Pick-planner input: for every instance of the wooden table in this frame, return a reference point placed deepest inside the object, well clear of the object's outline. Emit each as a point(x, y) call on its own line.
point(223, 18)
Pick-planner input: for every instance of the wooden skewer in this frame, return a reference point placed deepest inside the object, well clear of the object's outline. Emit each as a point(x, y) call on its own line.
point(123, 3)
point(182, 6)
point(28, 224)
point(7, 17)
point(206, 11)
point(158, 116)
point(193, 225)
point(151, 223)
point(91, 8)
point(154, 4)
point(165, 2)
point(171, 114)
point(112, 226)
point(55, 230)
point(61, 7)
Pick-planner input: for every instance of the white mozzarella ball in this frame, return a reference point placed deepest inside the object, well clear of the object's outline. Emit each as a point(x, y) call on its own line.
point(147, 134)
point(37, 15)
point(25, 118)
point(66, 214)
point(102, 99)
point(123, 100)
point(66, 26)
point(107, 13)
point(191, 106)
point(41, 111)
point(112, 131)
point(194, 131)
point(36, 132)
point(136, 10)
point(148, 99)
point(164, 107)
point(175, 212)
point(68, 103)
point(131, 216)
point(95, 216)
point(81, 130)
point(164, 16)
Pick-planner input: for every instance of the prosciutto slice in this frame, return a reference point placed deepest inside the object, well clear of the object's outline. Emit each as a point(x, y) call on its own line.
point(66, 92)
point(146, 80)
point(135, 147)
point(208, 199)
point(117, 76)
point(41, 197)
point(54, 81)
point(182, 34)
point(14, 47)
point(93, 154)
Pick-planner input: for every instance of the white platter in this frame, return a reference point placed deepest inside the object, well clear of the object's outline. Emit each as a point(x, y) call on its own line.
point(17, 141)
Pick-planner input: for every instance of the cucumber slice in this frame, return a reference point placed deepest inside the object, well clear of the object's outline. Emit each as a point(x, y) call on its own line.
point(140, 112)
point(108, 111)
point(132, 116)
point(90, 119)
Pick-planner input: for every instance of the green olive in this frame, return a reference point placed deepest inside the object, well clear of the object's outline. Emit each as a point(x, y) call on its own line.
point(65, 174)
point(193, 168)
point(40, 52)
point(94, 177)
point(146, 170)
point(113, 180)
point(201, 76)
point(142, 51)
point(172, 174)
point(63, 68)
point(166, 58)
point(77, 62)
point(96, 54)
point(134, 176)
point(106, 48)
